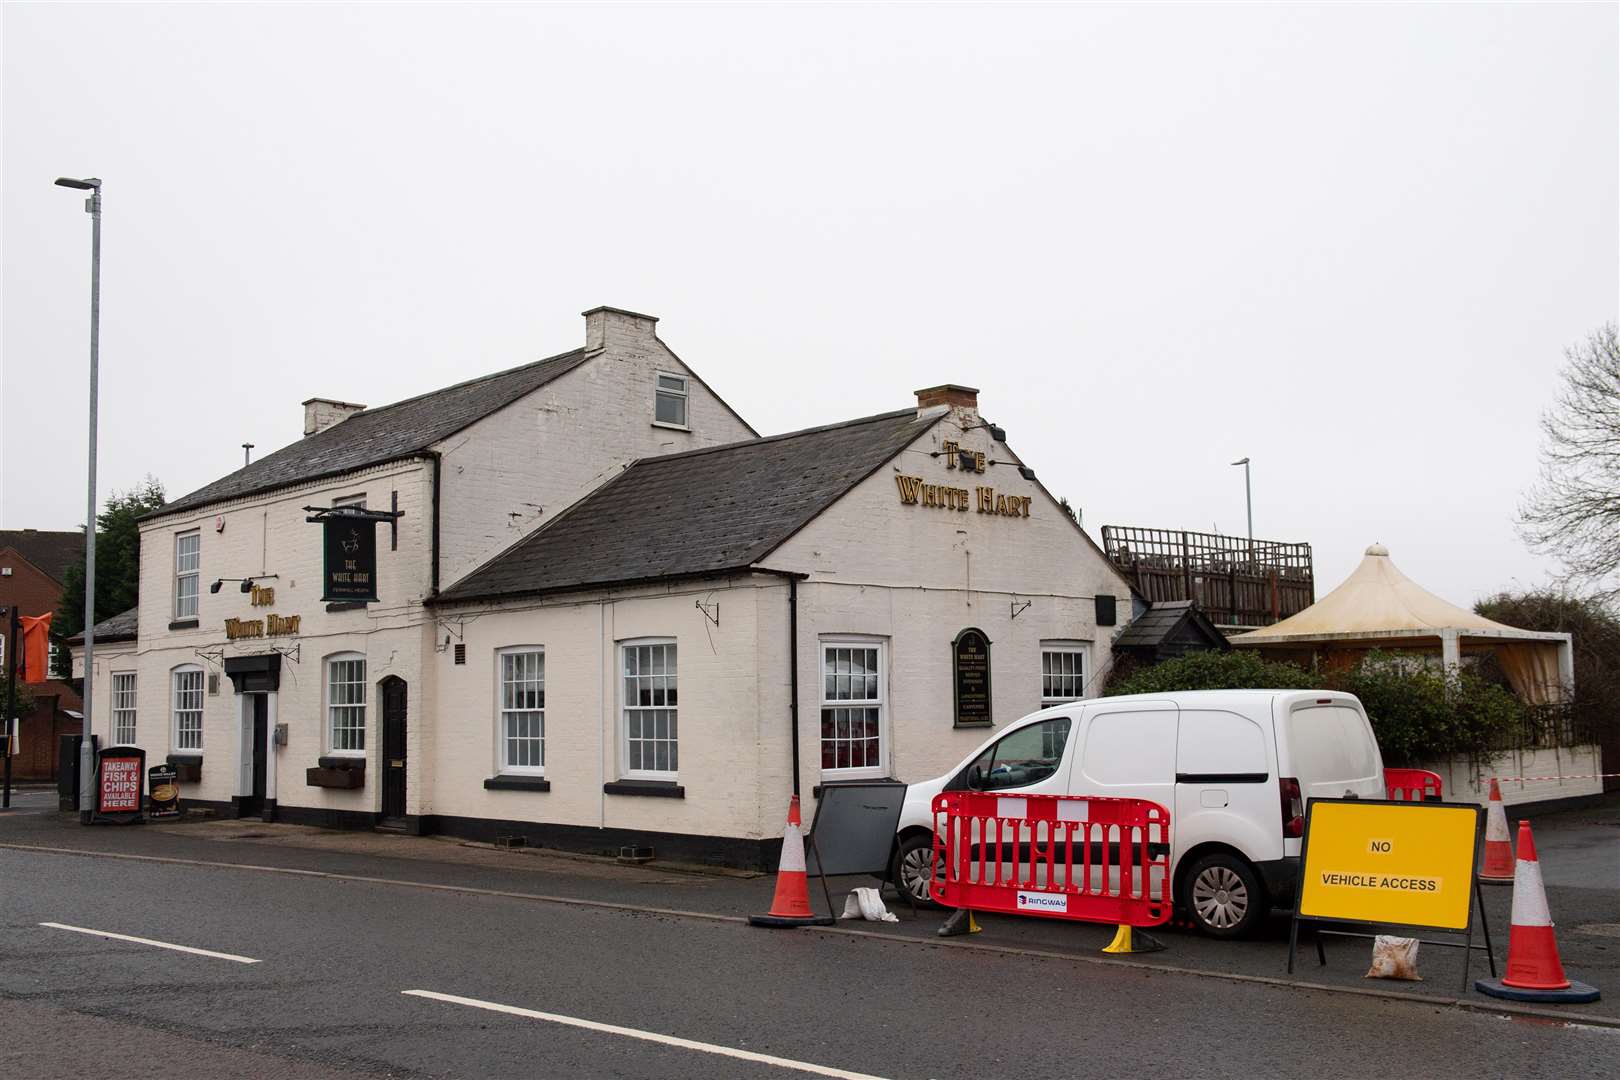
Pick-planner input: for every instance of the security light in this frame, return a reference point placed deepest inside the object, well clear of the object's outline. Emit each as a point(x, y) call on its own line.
point(247, 584)
point(215, 587)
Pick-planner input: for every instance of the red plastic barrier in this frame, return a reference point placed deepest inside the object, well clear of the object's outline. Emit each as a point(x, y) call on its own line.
point(1094, 859)
point(1412, 785)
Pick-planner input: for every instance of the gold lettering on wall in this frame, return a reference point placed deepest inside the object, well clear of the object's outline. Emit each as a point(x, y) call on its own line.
point(915, 491)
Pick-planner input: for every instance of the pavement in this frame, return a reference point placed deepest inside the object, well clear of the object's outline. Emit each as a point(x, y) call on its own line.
point(649, 971)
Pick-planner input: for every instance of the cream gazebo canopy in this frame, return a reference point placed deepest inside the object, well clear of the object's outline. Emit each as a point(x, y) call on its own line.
point(1377, 606)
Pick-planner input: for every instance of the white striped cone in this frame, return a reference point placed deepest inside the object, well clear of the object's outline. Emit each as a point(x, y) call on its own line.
point(1532, 962)
point(1499, 866)
point(791, 903)
point(1534, 971)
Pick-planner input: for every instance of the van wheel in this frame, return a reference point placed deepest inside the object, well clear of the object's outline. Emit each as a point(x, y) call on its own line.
point(913, 868)
point(1224, 896)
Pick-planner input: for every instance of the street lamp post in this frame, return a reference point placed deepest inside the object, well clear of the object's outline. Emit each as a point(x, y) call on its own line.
point(87, 755)
point(1248, 501)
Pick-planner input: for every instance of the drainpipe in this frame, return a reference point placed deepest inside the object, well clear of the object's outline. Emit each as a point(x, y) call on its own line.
point(793, 580)
point(793, 674)
point(438, 467)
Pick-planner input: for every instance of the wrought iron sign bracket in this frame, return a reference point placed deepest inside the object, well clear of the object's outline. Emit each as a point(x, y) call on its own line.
point(712, 616)
point(319, 514)
point(1020, 606)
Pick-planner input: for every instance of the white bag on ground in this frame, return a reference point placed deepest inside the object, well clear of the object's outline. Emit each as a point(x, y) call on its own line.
point(1394, 958)
point(867, 904)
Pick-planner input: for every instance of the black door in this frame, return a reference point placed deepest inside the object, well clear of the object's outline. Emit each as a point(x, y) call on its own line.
point(253, 804)
point(393, 750)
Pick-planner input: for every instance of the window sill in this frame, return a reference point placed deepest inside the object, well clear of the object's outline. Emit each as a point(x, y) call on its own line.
point(658, 789)
point(184, 624)
point(342, 779)
point(342, 761)
point(517, 783)
point(346, 605)
point(671, 427)
point(815, 792)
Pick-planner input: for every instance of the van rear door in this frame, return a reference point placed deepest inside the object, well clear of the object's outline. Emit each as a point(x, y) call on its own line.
point(1329, 746)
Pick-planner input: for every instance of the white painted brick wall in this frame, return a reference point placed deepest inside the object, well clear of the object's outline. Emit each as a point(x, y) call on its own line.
point(268, 534)
point(518, 468)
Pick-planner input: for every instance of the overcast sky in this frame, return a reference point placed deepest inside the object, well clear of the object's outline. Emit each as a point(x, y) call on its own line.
point(1350, 242)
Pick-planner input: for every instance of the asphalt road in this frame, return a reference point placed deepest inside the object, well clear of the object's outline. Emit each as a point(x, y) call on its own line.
point(335, 959)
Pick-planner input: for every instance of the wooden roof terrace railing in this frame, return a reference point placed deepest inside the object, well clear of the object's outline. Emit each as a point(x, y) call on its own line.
point(1237, 581)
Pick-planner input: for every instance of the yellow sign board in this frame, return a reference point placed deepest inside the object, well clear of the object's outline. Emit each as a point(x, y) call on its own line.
point(1407, 863)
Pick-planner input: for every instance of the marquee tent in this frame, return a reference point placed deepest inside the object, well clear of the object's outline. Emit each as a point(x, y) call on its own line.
point(1378, 607)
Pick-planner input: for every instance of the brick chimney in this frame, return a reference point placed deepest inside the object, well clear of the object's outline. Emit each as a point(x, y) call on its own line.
point(965, 398)
point(322, 413)
point(610, 324)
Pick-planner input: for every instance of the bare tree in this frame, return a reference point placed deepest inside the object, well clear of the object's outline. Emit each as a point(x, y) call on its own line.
point(1573, 512)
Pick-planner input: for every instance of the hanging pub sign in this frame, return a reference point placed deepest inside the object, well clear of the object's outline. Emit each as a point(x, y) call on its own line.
point(118, 784)
point(163, 788)
point(350, 559)
point(970, 664)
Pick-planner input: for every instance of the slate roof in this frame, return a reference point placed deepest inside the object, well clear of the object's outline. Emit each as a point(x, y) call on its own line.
point(697, 513)
point(52, 552)
point(386, 433)
point(120, 627)
point(1161, 620)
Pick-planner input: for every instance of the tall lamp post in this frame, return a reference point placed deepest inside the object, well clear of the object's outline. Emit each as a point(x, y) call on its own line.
point(87, 754)
point(1248, 500)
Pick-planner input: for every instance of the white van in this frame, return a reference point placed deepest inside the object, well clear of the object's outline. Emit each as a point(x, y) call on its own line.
point(1233, 767)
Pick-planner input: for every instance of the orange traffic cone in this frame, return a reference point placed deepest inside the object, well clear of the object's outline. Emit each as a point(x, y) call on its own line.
point(791, 905)
point(1534, 972)
point(1498, 868)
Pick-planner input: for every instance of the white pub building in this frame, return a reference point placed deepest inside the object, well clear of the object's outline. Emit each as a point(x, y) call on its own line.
point(607, 612)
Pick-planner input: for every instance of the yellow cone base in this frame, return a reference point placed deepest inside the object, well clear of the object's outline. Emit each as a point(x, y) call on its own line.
point(1130, 940)
point(959, 924)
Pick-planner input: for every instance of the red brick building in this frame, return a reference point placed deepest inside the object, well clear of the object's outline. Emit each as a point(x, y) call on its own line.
point(33, 566)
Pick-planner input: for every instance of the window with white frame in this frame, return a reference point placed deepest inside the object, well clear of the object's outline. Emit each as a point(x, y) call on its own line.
point(852, 696)
point(522, 697)
point(187, 572)
point(1063, 671)
point(669, 405)
point(123, 708)
point(187, 696)
point(346, 703)
point(651, 740)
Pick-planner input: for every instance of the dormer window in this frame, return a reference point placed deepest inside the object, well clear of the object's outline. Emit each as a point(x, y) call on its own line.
point(669, 405)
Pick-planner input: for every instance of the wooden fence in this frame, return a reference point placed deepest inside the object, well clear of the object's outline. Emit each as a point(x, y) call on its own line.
point(1236, 581)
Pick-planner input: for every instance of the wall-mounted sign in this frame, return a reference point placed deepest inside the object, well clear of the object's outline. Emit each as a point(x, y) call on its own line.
point(118, 783)
point(350, 559)
point(984, 500)
point(262, 595)
point(269, 626)
point(970, 665)
point(163, 788)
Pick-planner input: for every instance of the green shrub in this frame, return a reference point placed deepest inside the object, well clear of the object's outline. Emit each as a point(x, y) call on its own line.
point(1418, 712)
point(1236, 670)
point(1422, 713)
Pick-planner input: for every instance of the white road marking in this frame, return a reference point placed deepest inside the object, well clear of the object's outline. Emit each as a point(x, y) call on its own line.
point(646, 1036)
point(149, 941)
